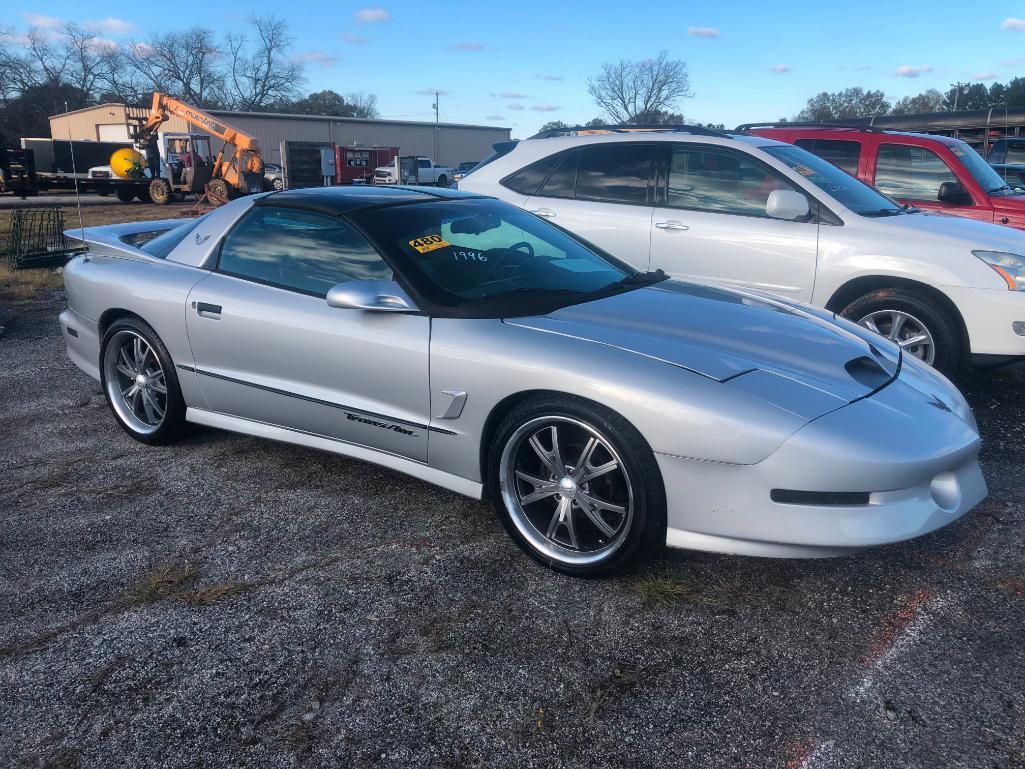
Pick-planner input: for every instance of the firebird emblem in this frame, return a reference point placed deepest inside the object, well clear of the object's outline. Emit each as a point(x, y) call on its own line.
point(201, 239)
point(935, 401)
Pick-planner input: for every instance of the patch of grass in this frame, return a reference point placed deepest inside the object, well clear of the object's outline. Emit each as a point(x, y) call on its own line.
point(211, 594)
point(660, 588)
point(19, 285)
point(164, 581)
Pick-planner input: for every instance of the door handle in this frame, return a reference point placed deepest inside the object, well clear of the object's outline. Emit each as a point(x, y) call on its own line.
point(547, 213)
point(205, 310)
point(671, 224)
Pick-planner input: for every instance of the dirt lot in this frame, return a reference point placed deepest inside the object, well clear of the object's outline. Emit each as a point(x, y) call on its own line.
point(229, 602)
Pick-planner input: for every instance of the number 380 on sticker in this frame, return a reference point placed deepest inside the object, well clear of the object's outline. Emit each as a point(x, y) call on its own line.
point(428, 243)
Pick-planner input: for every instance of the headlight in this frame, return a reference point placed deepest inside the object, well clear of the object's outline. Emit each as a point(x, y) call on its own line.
point(1010, 267)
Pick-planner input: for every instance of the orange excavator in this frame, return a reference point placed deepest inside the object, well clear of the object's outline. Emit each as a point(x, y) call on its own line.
point(186, 165)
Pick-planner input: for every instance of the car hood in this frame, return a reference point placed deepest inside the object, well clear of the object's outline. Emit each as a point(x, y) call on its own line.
point(797, 359)
point(949, 230)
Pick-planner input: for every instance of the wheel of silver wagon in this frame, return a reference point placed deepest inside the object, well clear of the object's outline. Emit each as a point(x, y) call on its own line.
point(140, 383)
point(576, 486)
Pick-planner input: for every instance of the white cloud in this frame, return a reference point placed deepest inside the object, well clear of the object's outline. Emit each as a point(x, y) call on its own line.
point(514, 106)
point(908, 70)
point(710, 32)
point(102, 44)
point(545, 108)
point(1012, 62)
point(319, 58)
point(112, 25)
point(511, 95)
point(779, 69)
point(466, 47)
point(372, 15)
point(548, 77)
point(40, 20)
point(1013, 23)
point(987, 75)
point(355, 39)
point(432, 91)
point(493, 117)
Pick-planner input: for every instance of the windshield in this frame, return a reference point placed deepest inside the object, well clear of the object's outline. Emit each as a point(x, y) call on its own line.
point(984, 173)
point(489, 259)
point(850, 192)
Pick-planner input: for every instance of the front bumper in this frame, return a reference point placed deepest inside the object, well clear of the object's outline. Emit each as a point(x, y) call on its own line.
point(989, 315)
point(82, 339)
point(915, 462)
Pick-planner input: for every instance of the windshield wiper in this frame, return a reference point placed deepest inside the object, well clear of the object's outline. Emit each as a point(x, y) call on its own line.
point(644, 278)
point(886, 212)
point(999, 189)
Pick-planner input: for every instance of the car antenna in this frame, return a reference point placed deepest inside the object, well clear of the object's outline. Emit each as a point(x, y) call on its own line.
point(74, 174)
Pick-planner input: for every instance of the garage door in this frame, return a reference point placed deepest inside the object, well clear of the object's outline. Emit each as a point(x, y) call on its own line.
point(113, 132)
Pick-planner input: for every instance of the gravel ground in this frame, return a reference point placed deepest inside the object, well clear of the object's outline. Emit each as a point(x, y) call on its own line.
point(230, 602)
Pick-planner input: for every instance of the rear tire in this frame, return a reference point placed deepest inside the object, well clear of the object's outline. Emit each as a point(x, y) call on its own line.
point(125, 194)
point(576, 486)
point(443, 181)
point(140, 383)
point(217, 189)
point(919, 325)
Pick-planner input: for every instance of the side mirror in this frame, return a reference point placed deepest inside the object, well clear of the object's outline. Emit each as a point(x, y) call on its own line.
point(786, 204)
point(953, 192)
point(370, 295)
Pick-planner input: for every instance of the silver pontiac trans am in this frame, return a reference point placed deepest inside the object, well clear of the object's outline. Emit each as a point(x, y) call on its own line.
point(468, 343)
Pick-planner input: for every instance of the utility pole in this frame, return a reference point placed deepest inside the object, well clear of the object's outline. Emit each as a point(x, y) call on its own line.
point(437, 99)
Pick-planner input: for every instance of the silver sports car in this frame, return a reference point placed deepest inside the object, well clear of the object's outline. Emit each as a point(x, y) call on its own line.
point(472, 345)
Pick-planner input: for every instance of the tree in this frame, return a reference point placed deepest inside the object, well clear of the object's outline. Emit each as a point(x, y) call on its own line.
point(184, 63)
point(628, 89)
point(927, 101)
point(963, 96)
point(552, 125)
point(657, 117)
point(329, 102)
point(848, 103)
point(259, 72)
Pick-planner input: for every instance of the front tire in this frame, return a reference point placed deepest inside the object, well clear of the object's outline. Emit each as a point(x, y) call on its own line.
point(442, 181)
point(576, 486)
point(140, 384)
point(917, 324)
point(125, 194)
point(160, 192)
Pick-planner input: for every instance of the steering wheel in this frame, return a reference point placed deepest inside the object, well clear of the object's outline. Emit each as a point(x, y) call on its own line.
point(524, 244)
point(507, 259)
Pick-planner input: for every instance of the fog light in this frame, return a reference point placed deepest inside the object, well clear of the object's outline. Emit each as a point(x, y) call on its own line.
point(1019, 327)
point(946, 491)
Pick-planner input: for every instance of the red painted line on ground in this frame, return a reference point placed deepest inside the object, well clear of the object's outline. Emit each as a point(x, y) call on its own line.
point(895, 625)
point(1015, 584)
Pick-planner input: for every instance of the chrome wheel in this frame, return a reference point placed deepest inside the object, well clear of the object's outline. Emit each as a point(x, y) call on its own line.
point(567, 490)
point(136, 383)
point(905, 329)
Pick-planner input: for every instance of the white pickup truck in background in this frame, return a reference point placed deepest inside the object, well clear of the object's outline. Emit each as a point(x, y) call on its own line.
point(413, 169)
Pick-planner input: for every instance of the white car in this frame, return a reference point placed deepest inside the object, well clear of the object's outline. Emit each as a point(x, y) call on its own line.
point(760, 214)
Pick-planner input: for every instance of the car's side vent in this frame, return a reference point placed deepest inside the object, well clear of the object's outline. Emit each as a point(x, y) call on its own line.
point(867, 372)
point(841, 498)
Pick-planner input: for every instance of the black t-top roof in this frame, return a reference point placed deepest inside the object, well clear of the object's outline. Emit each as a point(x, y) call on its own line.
point(345, 199)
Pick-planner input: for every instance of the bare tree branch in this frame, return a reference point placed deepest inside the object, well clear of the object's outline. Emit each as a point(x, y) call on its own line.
point(628, 89)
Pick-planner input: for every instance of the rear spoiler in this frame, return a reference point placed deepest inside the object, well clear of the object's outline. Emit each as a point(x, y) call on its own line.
point(121, 237)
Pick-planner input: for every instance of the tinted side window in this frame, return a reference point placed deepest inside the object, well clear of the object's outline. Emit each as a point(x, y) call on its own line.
point(563, 182)
point(527, 180)
point(164, 243)
point(911, 173)
point(1015, 153)
point(709, 179)
point(842, 154)
point(300, 250)
point(615, 173)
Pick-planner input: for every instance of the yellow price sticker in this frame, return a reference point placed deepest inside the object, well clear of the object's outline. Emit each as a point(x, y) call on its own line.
point(429, 243)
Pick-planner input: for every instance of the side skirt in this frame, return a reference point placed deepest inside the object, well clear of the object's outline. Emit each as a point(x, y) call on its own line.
point(273, 432)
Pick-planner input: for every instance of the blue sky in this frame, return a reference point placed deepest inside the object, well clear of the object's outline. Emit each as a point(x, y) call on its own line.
point(522, 64)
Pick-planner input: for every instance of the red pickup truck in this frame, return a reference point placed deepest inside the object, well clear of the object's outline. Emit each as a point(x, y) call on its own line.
point(935, 173)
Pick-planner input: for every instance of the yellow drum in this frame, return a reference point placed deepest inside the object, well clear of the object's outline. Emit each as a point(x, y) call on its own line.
point(126, 163)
